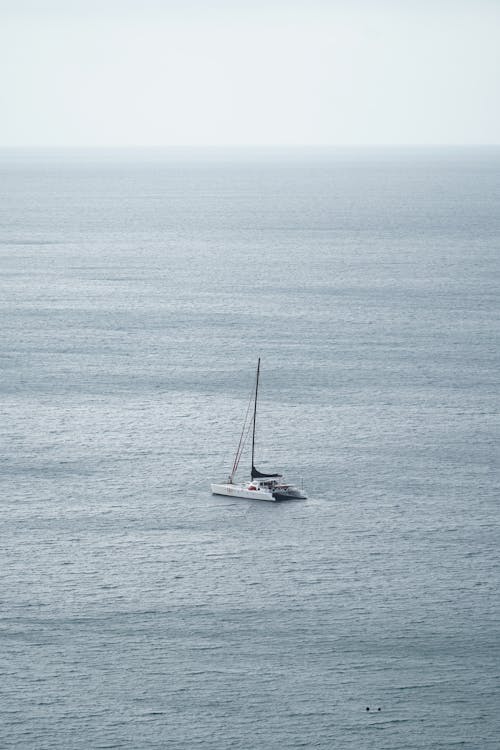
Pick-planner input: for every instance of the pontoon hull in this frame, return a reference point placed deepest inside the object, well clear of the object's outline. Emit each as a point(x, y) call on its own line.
point(291, 493)
point(234, 490)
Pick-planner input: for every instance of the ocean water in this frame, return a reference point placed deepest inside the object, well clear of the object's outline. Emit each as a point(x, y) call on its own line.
point(137, 290)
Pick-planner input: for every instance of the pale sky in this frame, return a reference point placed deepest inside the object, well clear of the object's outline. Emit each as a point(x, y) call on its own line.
point(282, 72)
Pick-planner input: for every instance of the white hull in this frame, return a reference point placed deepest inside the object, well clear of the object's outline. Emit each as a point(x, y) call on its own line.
point(237, 490)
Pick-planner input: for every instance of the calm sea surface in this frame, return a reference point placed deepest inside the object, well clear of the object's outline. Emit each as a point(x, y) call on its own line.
point(137, 290)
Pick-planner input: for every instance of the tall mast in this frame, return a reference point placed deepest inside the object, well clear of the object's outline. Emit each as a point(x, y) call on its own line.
point(255, 410)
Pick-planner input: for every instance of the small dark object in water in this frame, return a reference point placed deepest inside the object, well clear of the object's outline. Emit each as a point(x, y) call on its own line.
point(368, 708)
point(378, 709)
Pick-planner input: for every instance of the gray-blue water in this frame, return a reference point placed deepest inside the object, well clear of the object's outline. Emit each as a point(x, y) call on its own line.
point(137, 291)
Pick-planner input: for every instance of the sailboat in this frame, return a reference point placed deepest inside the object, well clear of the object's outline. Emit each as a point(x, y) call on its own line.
point(270, 487)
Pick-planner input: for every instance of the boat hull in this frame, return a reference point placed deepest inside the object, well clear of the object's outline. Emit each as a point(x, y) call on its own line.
point(291, 493)
point(234, 490)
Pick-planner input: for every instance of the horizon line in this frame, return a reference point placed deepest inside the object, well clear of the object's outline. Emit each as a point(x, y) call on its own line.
point(194, 146)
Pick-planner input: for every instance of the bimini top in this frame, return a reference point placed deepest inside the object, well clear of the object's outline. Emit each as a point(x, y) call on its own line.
point(256, 474)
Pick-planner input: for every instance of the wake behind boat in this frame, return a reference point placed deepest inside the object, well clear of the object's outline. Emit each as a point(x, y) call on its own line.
point(270, 487)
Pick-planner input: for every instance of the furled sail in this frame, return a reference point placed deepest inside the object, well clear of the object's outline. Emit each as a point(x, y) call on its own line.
point(259, 475)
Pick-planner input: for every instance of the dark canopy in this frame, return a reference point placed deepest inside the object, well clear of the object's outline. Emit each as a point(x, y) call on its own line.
point(259, 475)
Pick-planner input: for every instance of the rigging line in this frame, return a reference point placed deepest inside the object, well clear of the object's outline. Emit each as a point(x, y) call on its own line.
point(243, 439)
point(247, 433)
point(239, 449)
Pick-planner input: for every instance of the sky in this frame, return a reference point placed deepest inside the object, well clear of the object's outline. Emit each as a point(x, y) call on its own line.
point(220, 73)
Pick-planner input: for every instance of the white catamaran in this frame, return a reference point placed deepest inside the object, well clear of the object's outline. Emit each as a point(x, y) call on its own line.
point(269, 487)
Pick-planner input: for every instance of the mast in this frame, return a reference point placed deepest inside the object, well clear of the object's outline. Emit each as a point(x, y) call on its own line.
point(255, 412)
